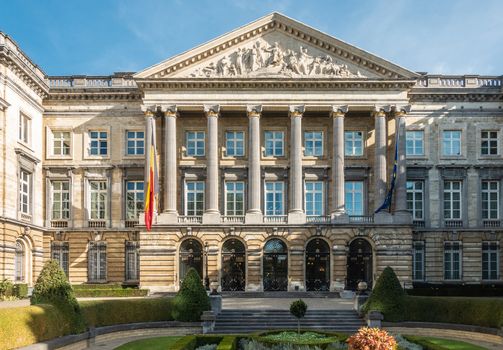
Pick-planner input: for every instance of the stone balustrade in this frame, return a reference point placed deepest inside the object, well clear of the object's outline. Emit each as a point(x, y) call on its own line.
point(117, 80)
point(459, 81)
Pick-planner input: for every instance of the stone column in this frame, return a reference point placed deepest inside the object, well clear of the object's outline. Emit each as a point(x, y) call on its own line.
point(380, 164)
point(254, 213)
point(338, 214)
point(402, 216)
point(212, 214)
point(170, 213)
point(296, 213)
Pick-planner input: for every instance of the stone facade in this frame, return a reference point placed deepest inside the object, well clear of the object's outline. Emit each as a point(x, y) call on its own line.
point(87, 139)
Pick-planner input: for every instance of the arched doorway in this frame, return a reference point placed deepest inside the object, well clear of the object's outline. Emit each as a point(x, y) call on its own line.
point(19, 263)
point(359, 264)
point(191, 255)
point(317, 265)
point(275, 267)
point(233, 265)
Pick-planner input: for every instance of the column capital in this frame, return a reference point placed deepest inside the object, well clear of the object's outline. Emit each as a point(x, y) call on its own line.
point(296, 110)
point(149, 111)
point(253, 110)
point(339, 110)
point(381, 110)
point(401, 110)
point(212, 110)
point(170, 111)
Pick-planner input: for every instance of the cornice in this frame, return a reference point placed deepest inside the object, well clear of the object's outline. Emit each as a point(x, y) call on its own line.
point(105, 94)
point(272, 84)
point(453, 95)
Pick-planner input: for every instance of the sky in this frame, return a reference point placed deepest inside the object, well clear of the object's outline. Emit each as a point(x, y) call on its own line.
point(99, 37)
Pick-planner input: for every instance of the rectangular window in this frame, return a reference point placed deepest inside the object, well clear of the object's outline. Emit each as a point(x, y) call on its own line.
point(451, 143)
point(490, 200)
point(235, 144)
point(24, 128)
point(353, 192)
point(490, 260)
point(274, 198)
point(97, 262)
point(61, 143)
point(135, 143)
point(452, 260)
point(452, 200)
point(234, 198)
point(315, 199)
point(60, 253)
point(414, 143)
point(353, 143)
point(274, 143)
point(489, 143)
point(194, 203)
point(134, 199)
point(415, 199)
point(132, 261)
point(195, 143)
point(313, 143)
point(98, 195)
point(98, 143)
point(60, 200)
point(25, 192)
point(418, 261)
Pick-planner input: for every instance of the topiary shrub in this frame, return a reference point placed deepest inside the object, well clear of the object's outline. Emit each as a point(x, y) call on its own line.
point(388, 297)
point(191, 300)
point(298, 308)
point(52, 287)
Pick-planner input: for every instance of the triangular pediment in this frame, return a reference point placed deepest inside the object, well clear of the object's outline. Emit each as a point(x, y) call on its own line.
point(276, 46)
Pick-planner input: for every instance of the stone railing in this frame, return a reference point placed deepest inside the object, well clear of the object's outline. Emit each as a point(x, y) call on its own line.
point(318, 219)
point(233, 219)
point(275, 219)
point(459, 81)
point(361, 219)
point(188, 219)
point(118, 80)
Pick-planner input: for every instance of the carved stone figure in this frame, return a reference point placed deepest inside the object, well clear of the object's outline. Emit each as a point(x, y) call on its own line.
point(276, 55)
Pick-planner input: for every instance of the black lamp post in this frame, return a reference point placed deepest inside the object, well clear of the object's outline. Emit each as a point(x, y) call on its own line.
point(207, 278)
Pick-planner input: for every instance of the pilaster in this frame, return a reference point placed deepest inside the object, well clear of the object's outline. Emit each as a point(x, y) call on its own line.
point(380, 164)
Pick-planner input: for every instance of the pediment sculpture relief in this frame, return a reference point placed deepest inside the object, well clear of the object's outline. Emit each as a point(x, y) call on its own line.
point(258, 61)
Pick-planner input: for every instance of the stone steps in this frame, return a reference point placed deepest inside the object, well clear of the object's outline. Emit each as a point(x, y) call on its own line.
point(280, 295)
point(246, 321)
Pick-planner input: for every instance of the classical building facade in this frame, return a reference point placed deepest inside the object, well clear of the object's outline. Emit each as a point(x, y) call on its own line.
point(276, 146)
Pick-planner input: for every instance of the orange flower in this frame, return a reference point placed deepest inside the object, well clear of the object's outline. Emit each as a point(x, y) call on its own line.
point(371, 339)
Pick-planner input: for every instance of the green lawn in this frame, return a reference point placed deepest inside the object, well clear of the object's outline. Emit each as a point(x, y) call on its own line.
point(160, 343)
point(438, 343)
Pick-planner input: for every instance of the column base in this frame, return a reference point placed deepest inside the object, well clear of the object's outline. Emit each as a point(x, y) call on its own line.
point(254, 218)
point(296, 217)
point(211, 218)
point(383, 218)
point(402, 217)
point(167, 218)
point(339, 218)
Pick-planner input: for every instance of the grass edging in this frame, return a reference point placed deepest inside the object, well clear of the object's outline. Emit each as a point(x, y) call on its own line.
point(446, 326)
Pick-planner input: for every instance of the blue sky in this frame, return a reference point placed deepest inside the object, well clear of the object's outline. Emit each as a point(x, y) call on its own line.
point(98, 37)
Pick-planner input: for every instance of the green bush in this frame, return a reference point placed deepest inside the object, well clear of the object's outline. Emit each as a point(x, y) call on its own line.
point(191, 342)
point(229, 342)
point(388, 297)
point(21, 326)
point(483, 312)
point(96, 286)
point(21, 290)
point(52, 287)
point(191, 300)
point(6, 288)
point(98, 313)
point(116, 292)
point(298, 308)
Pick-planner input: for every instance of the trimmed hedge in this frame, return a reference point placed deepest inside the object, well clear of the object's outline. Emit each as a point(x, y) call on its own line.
point(456, 290)
point(483, 312)
point(191, 342)
point(429, 345)
point(8, 289)
point(98, 313)
point(21, 290)
point(21, 326)
point(96, 286)
point(229, 342)
point(116, 292)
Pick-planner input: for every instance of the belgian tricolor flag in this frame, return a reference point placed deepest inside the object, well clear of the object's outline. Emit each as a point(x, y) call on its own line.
point(151, 175)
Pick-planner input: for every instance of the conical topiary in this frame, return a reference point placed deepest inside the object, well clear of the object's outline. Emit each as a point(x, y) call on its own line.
point(388, 297)
point(52, 287)
point(191, 300)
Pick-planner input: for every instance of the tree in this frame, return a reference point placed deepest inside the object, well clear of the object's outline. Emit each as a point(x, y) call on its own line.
point(191, 300)
point(388, 297)
point(298, 309)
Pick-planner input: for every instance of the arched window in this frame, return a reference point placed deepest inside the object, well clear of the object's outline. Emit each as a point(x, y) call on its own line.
point(191, 255)
point(317, 265)
point(233, 265)
point(19, 262)
point(275, 265)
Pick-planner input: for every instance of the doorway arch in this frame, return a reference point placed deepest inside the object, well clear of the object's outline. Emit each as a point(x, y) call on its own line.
point(275, 265)
point(233, 265)
point(191, 255)
point(317, 265)
point(359, 264)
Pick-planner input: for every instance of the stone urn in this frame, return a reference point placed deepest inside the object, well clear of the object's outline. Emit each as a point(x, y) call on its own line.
point(362, 286)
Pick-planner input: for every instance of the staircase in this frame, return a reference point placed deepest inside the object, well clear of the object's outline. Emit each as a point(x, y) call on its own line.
point(246, 321)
